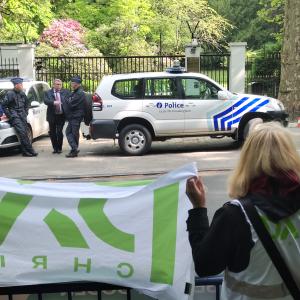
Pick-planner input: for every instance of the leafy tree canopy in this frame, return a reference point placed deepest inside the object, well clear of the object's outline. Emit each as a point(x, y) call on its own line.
point(258, 22)
point(133, 27)
point(144, 27)
point(24, 20)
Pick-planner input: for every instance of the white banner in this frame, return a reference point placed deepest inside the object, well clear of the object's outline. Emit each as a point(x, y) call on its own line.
point(129, 234)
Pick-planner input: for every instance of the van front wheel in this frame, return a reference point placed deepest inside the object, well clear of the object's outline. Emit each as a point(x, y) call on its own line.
point(250, 126)
point(135, 140)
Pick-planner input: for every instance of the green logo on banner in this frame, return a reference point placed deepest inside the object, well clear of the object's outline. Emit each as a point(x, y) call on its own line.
point(11, 206)
point(92, 211)
point(65, 230)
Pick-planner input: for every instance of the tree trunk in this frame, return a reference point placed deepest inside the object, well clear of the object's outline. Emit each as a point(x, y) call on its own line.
point(289, 91)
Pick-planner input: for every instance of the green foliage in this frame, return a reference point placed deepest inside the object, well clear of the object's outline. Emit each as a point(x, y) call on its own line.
point(140, 27)
point(125, 28)
point(24, 20)
point(90, 14)
point(173, 17)
point(264, 63)
point(272, 12)
point(254, 21)
point(146, 27)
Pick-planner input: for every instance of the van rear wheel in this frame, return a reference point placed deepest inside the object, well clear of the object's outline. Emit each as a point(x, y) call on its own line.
point(135, 139)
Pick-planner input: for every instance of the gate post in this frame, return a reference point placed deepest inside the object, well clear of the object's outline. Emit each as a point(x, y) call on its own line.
point(237, 69)
point(26, 61)
point(192, 57)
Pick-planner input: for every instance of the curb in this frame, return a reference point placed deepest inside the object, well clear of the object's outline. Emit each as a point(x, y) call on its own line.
point(119, 175)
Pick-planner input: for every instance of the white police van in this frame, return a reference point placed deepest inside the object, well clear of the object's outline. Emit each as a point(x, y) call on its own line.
point(37, 122)
point(140, 108)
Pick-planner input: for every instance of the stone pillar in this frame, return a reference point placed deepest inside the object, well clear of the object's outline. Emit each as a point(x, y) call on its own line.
point(26, 61)
point(237, 69)
point(192, 57)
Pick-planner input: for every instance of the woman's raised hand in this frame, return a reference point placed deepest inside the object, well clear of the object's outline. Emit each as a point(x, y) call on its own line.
point(195, 191)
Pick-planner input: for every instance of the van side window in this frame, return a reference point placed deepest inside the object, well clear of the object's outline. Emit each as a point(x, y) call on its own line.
point(161, 88)
point(128, 89)
point(45, 87)
point(31, 95)
point(194, 88)
point(40, 91)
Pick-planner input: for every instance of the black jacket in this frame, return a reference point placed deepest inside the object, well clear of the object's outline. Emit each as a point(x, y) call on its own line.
point(227, 242)
point(15, 104)
point(75, 105)
point(49, 99)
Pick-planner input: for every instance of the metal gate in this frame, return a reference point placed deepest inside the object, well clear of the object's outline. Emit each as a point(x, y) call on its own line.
point(9, 67)
point(92, 69)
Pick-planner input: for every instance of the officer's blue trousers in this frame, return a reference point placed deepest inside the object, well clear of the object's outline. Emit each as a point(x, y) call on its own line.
point(72, 133)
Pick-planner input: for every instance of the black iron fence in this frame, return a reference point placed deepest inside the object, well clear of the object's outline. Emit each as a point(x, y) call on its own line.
point(92, 69)
point(216, 66)
point(263, 74)
point(41, 291)
point(9, 67)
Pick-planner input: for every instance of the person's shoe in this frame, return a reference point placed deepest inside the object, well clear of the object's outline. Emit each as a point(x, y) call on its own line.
point(27, 154)
point(54, 152)
point(59, 151)
point(72, 154)
point(33, 153)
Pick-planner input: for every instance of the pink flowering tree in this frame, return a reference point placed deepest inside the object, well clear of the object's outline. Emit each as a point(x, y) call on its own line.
point(67, 38)
point(63, 34)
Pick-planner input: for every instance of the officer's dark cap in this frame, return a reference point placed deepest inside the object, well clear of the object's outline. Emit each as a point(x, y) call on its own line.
point(16, 80)
point(76, 79)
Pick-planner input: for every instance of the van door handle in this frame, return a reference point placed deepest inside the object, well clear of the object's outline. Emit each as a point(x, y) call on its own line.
point(151, 104)
point(190, 104)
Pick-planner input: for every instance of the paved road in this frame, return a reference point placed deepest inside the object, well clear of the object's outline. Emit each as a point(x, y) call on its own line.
point(104, 159)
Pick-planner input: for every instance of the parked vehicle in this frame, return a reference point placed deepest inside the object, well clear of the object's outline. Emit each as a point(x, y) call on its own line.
point(36, 117)
point(139, 108)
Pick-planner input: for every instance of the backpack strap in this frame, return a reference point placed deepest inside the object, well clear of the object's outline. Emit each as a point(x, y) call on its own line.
point(271, 248)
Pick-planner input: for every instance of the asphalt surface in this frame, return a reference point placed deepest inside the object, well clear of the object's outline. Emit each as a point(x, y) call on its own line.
point(103, 159)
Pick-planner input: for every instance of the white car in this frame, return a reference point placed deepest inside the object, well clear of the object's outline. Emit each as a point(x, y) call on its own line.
point(36, 117)
point(141, 107)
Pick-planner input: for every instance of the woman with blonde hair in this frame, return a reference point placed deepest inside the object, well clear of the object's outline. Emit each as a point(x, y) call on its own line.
point(267, 177)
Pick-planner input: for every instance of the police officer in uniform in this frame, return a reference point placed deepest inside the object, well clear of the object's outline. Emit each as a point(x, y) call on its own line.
point(16, 105)
point(74, 108)
point(55, 115)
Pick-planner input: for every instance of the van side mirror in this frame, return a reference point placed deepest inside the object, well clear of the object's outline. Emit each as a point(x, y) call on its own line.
point(34, 104)
point(224, 95)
